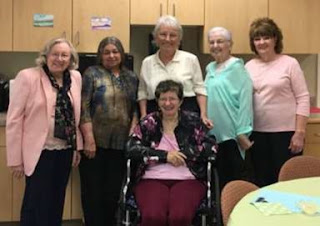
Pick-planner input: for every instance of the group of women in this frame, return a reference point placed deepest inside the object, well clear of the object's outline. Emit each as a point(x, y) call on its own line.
point(168, 121)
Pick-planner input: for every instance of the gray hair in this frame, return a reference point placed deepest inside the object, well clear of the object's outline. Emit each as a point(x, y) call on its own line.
point(222, 31)
point(169, 21)
point(42, 58)
point(114, 41)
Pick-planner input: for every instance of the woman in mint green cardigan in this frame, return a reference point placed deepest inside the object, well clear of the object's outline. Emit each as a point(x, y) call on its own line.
point(229, 90)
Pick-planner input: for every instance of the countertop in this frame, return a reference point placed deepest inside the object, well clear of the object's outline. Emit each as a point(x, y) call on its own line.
point(314, 118)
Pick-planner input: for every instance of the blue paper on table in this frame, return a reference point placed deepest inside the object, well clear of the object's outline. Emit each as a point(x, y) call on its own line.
point(288, 200)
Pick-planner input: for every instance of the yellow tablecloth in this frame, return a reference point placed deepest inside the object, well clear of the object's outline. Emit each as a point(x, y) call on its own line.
point(245, 214)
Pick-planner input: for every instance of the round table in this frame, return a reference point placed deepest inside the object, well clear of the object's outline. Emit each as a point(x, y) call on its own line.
point(245, 214)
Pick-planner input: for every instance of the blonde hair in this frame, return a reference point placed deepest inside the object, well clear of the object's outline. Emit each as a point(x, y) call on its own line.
point(42, 58)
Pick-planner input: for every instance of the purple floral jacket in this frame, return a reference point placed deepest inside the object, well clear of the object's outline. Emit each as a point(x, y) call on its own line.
point(191, 135)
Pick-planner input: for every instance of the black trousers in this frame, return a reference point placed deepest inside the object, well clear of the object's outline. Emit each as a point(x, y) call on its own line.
point(101, 180)
point(269, 152)
point(230, 164)
point(45, 189)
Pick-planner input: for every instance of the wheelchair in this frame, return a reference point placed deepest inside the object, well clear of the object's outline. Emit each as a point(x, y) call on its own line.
point(208, 213)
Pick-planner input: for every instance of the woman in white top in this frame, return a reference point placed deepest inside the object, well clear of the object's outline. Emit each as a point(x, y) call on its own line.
point(171, 63)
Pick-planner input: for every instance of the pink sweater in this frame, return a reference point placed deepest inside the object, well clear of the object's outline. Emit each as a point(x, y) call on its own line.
point(166, 171)
point(280, 93)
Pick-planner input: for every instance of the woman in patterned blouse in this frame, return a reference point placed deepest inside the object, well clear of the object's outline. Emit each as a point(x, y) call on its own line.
point(109, 110)
point(169, 149)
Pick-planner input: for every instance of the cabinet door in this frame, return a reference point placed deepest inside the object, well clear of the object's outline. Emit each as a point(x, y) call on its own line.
point(85, 38)
point(147, 12)
point(312, 145)
point(6, 25)
point(5, 188)
point(299, 22)
point(236, 16)
point(26, 36)
point(17, 197)
point(76, 208)
point(312, 149)
point(188, 12)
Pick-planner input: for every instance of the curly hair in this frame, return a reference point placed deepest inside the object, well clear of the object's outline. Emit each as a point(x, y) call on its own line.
point(265, 27)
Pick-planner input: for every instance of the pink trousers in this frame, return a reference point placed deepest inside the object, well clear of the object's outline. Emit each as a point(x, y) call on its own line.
point(168, 202)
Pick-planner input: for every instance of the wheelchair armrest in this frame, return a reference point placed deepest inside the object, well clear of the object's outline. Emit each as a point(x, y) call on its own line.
point(127, 181)
point(212, 158)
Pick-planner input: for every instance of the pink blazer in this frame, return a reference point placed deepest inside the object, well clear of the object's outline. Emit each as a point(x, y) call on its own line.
point(30, 107)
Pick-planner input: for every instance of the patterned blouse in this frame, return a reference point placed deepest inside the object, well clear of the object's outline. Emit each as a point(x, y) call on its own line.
point(109, 102)
point(191, 135)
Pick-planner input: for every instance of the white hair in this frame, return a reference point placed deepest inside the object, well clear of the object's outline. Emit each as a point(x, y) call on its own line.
point(222, 31)
point(169, 21)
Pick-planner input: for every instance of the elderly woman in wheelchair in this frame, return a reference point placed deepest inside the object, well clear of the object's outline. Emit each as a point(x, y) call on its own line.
point(169, 151)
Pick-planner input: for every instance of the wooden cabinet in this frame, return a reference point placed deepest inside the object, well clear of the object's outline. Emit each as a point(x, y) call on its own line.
point(85, 38)
point(27, 37)
point(6, 181)
point(5, 188)
point(236, 16)
point(76, 207)
point(6, 25)
point(312, 145)
point(17, 197)
point(146, 12)
point(72, 19)
point(299, 22)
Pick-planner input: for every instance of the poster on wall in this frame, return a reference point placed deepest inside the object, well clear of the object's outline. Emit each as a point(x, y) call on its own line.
point(42, 20)
point(100, 23)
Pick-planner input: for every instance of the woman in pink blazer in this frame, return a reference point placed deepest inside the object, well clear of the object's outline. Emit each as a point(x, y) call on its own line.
point(42, 131)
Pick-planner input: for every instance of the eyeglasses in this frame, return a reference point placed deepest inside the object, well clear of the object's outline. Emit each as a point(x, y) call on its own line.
point(218, 42)
point(62, 56)
point(170, 99)
point(170, 35)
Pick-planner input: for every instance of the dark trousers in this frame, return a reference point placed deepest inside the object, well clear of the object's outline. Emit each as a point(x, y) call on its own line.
point(45, 189)
point(168, 202)
point(230, 164)
point(269, 152)
point(101, 180)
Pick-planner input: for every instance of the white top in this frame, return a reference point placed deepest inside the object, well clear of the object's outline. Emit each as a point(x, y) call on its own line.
point(184, 67)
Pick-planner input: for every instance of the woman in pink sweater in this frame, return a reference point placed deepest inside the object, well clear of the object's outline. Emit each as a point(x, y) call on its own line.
point(280, 102)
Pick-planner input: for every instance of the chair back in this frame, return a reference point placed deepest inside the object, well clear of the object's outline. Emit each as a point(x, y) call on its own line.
point(232, 193)
point(300, 167)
